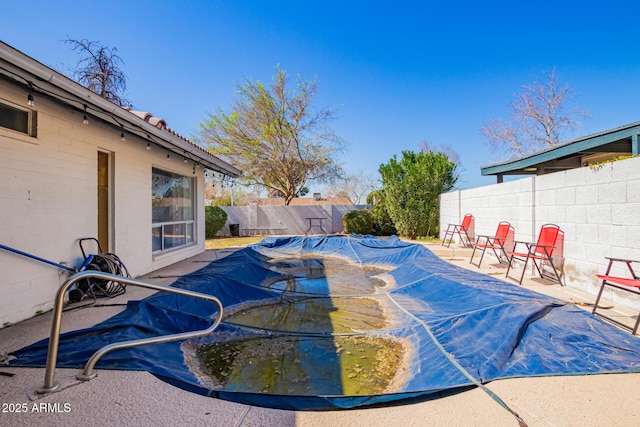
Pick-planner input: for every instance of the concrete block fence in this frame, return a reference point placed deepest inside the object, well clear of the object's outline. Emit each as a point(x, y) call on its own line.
point(598, 210)
point(270, 220)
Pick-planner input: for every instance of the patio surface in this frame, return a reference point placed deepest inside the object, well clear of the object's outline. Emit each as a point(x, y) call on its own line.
point(131, 398)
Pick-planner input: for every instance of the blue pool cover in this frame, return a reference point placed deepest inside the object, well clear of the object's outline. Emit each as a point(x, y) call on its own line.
point(463, 328)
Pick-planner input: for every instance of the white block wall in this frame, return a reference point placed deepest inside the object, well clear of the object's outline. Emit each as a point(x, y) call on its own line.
point(599, 211)
point(48, 200)
point(291, 218)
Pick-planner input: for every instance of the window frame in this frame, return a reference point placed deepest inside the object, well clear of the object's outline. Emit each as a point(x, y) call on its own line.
point(32, 115)
point(161, 231)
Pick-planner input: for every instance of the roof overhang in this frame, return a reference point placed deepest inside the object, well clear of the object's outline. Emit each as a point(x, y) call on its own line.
point(25, 70)
point(576, 153)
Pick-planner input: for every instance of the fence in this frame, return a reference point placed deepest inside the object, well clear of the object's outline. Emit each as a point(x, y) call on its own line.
point(598, 209)
point(267, 220)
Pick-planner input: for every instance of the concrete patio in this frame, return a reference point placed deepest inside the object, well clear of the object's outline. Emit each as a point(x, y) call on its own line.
point(138, 398)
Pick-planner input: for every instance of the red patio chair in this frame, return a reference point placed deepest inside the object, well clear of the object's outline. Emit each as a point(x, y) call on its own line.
point(550, 240)
point(628, 284)
point(464, 230)
point(500, 244)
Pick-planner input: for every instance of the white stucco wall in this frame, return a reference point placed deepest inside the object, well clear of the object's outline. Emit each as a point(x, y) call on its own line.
point(599, 211)
point(48, 199)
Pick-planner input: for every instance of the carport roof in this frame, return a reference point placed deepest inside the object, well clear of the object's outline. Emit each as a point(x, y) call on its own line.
point(573, 154)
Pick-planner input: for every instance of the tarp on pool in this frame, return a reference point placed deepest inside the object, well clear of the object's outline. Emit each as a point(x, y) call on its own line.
point(458, 328)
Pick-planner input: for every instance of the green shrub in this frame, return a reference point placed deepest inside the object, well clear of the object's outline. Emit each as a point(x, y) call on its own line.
point(412, 186)
point(358, 221)
point(382, 223)
point(215, 218)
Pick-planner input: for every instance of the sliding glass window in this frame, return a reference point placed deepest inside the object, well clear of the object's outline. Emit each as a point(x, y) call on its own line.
point(173, 206)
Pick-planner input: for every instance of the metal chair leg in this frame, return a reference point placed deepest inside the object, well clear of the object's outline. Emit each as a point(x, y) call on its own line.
point(595, 306)
point(525, 268)
point(482, 256)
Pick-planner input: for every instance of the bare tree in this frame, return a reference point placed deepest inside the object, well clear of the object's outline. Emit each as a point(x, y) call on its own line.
point(539, 118)
point(354, 187)
point(217, 194)
point(99, 70)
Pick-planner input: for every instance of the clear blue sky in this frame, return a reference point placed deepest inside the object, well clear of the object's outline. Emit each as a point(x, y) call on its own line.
point(396, 72)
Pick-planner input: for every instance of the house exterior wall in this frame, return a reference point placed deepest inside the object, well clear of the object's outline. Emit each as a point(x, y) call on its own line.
point(599, 211)
point(48, 200)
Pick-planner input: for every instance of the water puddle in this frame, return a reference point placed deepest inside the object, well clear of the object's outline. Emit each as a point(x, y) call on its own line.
point(325, 276)
point(312, 340)
point(303, 366)
point(317, 315)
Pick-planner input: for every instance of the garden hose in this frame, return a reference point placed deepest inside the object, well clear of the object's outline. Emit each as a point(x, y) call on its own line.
point(96, 288)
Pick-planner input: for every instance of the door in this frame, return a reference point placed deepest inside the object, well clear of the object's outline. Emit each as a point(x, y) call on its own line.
point(103, 200)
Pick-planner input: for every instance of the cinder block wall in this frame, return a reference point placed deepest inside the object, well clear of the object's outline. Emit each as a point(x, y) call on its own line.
point(599, 211)
point(257, 219)
point(48, 200)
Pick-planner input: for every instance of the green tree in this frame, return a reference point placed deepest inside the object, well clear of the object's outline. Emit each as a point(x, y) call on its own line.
point(411, 188)
point(275, 137)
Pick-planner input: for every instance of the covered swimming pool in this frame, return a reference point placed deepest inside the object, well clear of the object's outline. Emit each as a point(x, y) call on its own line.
point(345, 321)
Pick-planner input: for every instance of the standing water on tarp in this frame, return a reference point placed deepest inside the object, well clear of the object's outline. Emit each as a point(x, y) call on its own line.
point(304, 366)
point(314, 344)
point(325, 276)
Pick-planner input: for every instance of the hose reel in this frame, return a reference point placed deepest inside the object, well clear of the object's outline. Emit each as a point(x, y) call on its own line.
point(103, 262)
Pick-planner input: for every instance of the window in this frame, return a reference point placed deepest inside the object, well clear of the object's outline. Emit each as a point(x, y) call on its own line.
point(17, 119)
point(172, 203)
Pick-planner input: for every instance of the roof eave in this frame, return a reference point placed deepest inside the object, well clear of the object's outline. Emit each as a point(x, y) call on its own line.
point(566, 149)
point(76, 95)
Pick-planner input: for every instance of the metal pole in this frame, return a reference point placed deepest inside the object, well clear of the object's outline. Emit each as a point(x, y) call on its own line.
point(88, 373)
point(37, 258)
point(54, 338)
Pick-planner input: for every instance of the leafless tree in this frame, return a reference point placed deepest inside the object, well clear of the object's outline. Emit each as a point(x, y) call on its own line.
point(354, 187)
point(540, 117)
point(99, 70)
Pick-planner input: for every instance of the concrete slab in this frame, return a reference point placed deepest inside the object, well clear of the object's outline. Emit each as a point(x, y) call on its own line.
point(117, 398)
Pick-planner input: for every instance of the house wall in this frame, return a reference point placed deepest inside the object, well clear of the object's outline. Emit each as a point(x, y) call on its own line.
point(599, 211)
point(255, 219)
point(48, 200)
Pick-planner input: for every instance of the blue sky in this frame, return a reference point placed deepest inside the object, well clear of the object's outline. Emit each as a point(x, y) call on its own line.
point(397, 73)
